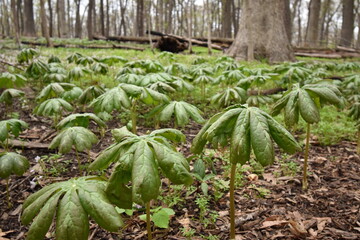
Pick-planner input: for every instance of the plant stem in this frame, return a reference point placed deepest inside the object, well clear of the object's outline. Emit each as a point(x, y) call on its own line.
point(232, 201)
point(358, 142)
point(7, 192)
point(305, 180)
point(79, 162)
point(148, 223)
point(133, 117)
point(203, 91)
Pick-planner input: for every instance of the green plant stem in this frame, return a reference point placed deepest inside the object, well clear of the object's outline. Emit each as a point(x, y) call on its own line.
point(148, 223)
point(133, 117)
point(79, 162)
point(7, 192)
point(203, 91)
point(305, 180)
point(358, 142)
point(232, 201)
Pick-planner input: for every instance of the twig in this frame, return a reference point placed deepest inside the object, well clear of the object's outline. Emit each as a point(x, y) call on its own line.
point(11, 64)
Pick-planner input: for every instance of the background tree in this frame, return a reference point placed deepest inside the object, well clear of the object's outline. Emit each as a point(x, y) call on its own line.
point(90, 19)
point(29, 23)
point(61, 18)
point(312, 30)
point(44, 24)
point(347, 27)
point(266, 38)
point(16, 22)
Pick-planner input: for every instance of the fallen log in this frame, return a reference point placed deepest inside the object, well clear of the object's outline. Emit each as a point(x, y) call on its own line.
point(170, 44)
point(113, 46)
point(28, 145)
point(267, 91)
point(318, 55)
point(184, 39)
point(346, 49)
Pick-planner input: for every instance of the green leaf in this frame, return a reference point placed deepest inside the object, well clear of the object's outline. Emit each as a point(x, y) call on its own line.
point(199, 168)
point(80, 119)
point(43, 220)
point(173, 164)
point(53, 107)
point(96, 204)
point(114, 99)
point(291, 114)
point(260, 138)
point(12, 163)
point(13, 126)
point(71, 221)
point(10, 93)
point(117, 191)
point(79, 137)
point(145, 176)
point(308, 110)
point(240, 139)
point(170, 134)
point(161, 219)
point(281, 136)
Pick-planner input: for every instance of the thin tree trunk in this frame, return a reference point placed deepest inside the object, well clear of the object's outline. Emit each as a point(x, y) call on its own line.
point(44, 24)
point(347, 27)
point(149, 28)
point(20, 16)
point(51, 18)
point(123, 6)
point(209, 26)
point(107, 29)
point(287, 19)
point(16, 23)
point(77, 20)
point(190, 28)
point(299, 24)
point(69, 20)
point(90, 20)
point(102, 18)
point(324, 12)
point(226, 18)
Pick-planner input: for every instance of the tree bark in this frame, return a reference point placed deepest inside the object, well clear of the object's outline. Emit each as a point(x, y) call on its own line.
point(102, 18)
point(226, 18)
point(90, 19)
point(107, 29)
point(267, 33)
point(312, 31)
point(140, 17)
point(208, 23)
point(61, 18)
point(44, 24)
point(347, 27)
point(123, 5)
point(288, 20)
point(51, 19)
point(29, 23)
point(325, 7)
point(77, 20)
point(16, 23)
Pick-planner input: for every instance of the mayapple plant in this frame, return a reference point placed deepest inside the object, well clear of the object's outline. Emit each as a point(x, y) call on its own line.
point(244, 128)
point(305, 101)
point(79, 137)
point(138, 159)
point(12, 163)
point(7, 97)
point(8, 127)
point(54, 108)
point(182, 112)
point(70, 203)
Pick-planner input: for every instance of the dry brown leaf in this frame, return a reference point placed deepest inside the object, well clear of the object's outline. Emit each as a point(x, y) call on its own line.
point(253, 177)
point(269, 177)
point(267, 224)
point(321, 222)
point(2, 234)
point(297, 228)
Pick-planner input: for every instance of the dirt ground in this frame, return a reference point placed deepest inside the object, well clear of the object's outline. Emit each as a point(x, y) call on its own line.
point(330, 209)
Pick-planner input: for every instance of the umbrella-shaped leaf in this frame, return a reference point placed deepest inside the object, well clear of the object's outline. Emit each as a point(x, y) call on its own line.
point(52, 107)
point(13, 126)
point(10, 80)
point(12, 163)
point(10, 93)
point(73, 201)
point(80, 119)
point(79, 137)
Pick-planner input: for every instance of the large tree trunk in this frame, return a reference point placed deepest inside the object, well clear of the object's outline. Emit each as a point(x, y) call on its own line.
point(29, 23)
point(262, 28)
point(44, 24)
point(61, 18)
point(90, 19)
point(347, 27)
point(312, 31)
point(77, 20)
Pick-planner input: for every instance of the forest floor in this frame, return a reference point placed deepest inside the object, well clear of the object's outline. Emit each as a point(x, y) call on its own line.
point(271, 206)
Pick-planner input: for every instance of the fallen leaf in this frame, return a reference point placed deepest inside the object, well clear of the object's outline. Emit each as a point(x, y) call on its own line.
point(267, 224)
